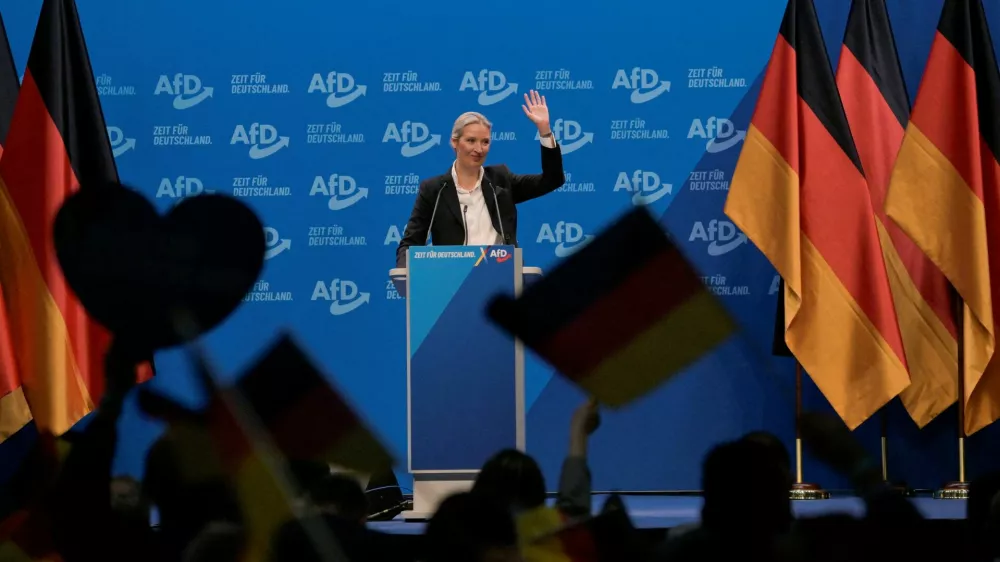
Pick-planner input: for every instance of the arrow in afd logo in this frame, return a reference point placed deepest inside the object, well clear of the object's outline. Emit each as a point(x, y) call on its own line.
point(333, 101)
point(180, 102)
point(336, 204)
point(337, 308)
point(409, 150)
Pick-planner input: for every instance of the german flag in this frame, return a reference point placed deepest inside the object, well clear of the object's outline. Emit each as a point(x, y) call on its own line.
point(14, 412)
point(546, 535)
point(304, 416)
point(944, 191)
point(799, 193)
point(622, 315)
point(293, 414)
point(10, 84)
point(57, 143)
point(871, 86)
point(538, 532)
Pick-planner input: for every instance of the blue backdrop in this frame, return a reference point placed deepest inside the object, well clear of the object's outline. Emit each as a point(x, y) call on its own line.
point(323, 117)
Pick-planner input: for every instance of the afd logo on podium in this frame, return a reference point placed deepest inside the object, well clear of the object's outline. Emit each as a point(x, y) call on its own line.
point(645, 186)
point(645, 84)
point(722, 236)
point(343, 296)
point(720, 133)
point(567, 236)
point(342, 190)
point(263, 140)
point(339, 87)
point(274, 243)
point(498, 255)
point(415, 137)
point(187, 89)
point(492, 86)
point(569, 134)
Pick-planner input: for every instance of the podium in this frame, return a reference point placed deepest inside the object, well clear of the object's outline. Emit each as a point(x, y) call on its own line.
point(464, 375)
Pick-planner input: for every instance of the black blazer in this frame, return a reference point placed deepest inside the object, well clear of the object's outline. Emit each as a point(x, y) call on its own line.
point(510, 189)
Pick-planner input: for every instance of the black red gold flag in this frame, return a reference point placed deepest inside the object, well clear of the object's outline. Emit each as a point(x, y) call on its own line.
point(944, 192)
point(800, 194)
point(57, 143)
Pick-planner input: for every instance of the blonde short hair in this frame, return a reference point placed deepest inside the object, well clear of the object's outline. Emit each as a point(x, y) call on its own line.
point(466, 119)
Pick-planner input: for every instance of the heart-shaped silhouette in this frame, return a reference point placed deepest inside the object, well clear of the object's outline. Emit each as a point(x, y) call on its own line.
point(134, 270)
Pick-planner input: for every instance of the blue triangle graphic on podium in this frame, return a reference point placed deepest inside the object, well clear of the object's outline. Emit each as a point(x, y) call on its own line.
point(432, 303)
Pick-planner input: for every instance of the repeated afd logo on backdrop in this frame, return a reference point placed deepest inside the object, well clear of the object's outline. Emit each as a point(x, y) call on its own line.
point(569, 134)
point(342, 294)
point(120, 144)
point(720, 133)
point(492, 86)
point(263, 140)
point(568, 237)
point(180, 187)
point(340, 88)
point(644, 83)
point(342, 191)
point(186, 89)
point(394, 235)
point(645, 186)
point(416, 138)
point(719, 236)
point(274, 243)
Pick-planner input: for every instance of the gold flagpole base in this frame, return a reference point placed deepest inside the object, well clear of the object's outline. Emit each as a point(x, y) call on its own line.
point(806, 491)
point(953, 491)
point(956, 490)
point(802, 490)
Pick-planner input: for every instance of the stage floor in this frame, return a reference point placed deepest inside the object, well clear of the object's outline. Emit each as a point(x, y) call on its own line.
point(663, 512)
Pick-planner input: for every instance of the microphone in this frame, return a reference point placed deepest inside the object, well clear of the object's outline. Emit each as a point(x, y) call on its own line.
point(465, 224)
point(499, 218)
point(434, 212)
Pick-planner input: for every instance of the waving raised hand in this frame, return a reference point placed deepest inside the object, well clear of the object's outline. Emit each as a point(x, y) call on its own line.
point(536, 110)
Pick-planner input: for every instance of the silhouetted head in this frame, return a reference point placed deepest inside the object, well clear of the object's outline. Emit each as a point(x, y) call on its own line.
point(773, 444)
point(745, 489)
point(469, 527)
point(513, 479)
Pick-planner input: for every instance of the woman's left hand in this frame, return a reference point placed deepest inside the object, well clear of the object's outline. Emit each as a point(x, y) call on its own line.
point(536, 110)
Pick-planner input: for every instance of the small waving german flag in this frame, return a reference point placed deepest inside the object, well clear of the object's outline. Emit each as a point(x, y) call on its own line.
point(622, 315)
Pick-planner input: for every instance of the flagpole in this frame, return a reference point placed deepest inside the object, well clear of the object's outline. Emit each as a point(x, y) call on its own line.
point(958, 490)
point(884, 423)
point(802, 490)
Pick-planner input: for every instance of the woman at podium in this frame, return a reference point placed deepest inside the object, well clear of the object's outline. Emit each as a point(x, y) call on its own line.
point(475, 205)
